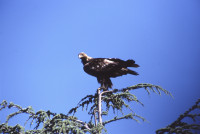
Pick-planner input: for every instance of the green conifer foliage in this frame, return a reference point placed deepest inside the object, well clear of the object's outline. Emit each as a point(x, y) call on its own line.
point(98, 105)
point(180, 126)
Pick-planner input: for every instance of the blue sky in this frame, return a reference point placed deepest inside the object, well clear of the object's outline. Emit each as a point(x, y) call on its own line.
point(40, 42)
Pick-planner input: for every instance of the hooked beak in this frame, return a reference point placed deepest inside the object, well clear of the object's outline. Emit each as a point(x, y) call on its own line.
point(80, 56)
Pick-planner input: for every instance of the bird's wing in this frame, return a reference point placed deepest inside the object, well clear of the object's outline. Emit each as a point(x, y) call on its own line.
point(101, 65)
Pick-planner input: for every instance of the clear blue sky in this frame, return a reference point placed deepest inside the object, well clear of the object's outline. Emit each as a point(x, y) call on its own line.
point(40, 41)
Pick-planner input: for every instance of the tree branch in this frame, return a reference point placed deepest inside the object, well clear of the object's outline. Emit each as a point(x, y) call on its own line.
point(99, 105)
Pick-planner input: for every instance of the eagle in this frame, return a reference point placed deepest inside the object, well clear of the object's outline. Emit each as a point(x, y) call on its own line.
point(105, 68)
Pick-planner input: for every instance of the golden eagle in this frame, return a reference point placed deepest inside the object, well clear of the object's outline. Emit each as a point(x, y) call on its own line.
point(104, 68)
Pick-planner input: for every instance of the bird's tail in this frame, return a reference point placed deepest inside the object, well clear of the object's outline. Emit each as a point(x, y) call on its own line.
point(105, 83)
point(132, 72)
point(131, 63)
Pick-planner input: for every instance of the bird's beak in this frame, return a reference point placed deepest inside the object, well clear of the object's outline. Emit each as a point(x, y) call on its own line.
point(80, 56)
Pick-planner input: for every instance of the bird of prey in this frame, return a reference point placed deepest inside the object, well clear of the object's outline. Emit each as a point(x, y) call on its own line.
point(105, 68)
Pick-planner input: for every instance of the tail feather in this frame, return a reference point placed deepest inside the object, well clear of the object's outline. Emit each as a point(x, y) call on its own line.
point(132, 72)
point(131, 63)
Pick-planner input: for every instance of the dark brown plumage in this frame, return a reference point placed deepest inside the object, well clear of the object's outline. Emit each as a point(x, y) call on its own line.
point(105, 68)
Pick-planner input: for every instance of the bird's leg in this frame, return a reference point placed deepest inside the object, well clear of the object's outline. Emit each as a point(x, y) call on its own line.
point(104, 89)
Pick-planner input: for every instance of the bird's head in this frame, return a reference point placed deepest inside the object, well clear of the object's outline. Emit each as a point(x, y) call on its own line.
point(84, 56)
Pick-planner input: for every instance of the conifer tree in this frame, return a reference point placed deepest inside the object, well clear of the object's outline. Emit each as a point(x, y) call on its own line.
point(181, 126)
point(100, 104)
